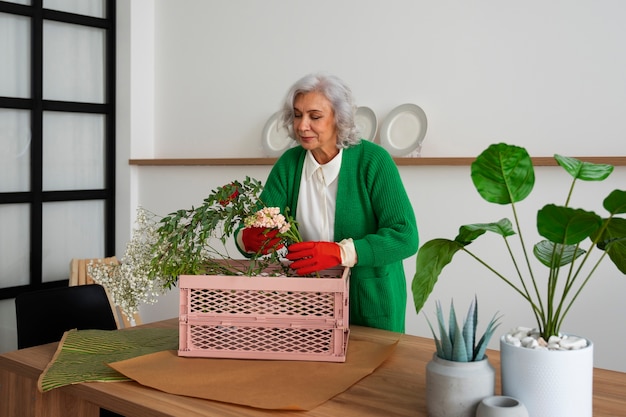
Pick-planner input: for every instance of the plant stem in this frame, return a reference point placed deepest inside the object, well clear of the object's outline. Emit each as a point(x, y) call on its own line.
point(569, 305)
point(526, 297)
point(538, 311)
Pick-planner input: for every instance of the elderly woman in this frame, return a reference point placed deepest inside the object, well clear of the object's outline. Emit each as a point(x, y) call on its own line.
point(348, 199)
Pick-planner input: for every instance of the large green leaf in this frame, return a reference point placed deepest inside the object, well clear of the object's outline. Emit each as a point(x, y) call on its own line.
point(503, 174)
point(615, 203)
point(432, 257)
point(613, 241)
point(550, 253)
point(585, 171)
point(469, 232)
point(613, 238)
point(566, 225)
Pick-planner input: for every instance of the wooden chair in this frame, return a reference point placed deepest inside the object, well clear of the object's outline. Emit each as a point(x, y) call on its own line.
point(79, 276)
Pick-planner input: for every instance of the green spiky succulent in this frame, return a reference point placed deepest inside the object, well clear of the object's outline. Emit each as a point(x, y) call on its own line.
point(459, 343)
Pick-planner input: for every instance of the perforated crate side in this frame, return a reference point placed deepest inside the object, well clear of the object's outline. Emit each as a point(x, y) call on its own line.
point(278, 341)
point(291, 318)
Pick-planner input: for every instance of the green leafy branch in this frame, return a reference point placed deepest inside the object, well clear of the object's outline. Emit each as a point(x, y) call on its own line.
point(187, 237)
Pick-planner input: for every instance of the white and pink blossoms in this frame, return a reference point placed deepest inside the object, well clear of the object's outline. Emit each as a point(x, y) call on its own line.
point(268, 218)
point(271, 218)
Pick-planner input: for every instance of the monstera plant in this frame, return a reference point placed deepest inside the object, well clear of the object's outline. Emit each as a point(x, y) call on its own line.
point(575, 241)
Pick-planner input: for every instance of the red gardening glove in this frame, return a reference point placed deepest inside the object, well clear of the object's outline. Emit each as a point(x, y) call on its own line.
point(255, 239)
point(311, 257)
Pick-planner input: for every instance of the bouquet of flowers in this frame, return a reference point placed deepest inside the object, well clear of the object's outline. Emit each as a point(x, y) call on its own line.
point(271, 218)
point(193, 242)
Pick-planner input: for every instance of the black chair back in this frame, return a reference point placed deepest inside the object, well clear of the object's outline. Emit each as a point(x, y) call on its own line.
point(44, 315)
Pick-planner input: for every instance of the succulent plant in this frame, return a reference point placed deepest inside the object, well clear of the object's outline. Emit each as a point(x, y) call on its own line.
point(459, 343)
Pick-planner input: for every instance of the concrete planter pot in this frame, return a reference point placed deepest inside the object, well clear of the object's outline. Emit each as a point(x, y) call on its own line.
point(454, 389)
point(501, 406)
point(549, 383)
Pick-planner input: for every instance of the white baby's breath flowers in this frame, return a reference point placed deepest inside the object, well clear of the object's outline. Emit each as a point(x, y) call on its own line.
point(129, 282)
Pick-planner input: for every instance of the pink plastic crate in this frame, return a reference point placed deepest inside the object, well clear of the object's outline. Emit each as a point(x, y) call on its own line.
point(265, 317)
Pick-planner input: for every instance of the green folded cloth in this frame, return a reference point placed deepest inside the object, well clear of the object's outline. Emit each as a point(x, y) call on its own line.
point(83, 355)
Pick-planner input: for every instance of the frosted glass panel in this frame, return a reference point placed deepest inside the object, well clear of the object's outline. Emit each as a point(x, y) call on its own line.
point(8, 335)
point(73, 151)
point(15, 53)
point(73, 63)
point(93, 8)
point(73, 229)
point(14, 150)
point(15, 244)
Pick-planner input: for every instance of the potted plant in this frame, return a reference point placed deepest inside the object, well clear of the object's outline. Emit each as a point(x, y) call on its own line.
point(504, 174)
point(459, 375)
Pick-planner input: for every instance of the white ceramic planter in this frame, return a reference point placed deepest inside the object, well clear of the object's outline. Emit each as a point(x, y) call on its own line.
point(549, 383)
point(454, 389)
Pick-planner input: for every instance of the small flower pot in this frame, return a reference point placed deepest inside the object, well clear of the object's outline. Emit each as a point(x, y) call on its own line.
point(456, 388)
point(501, 406)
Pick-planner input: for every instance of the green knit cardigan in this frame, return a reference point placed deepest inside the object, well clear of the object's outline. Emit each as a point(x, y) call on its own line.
point(374, 210)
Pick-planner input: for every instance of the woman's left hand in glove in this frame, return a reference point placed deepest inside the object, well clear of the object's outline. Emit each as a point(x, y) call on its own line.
point(312, 257)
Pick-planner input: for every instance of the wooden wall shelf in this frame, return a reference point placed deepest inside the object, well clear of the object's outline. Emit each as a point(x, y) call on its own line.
point(421, 161)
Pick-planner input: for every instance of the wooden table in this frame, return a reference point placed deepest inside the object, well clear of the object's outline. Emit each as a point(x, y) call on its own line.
point(396, 388)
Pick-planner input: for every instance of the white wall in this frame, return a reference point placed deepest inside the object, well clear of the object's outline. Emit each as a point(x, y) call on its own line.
point(545, 75)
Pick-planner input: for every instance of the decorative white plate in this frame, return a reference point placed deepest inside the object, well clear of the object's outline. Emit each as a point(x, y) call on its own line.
point(404, 129)
point(366, 122)
point(275, 138)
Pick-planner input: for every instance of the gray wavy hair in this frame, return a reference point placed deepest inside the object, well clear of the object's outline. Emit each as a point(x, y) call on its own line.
point(340, 97)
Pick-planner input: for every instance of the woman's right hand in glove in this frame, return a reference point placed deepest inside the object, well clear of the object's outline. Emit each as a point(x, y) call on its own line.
point(260, 240)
